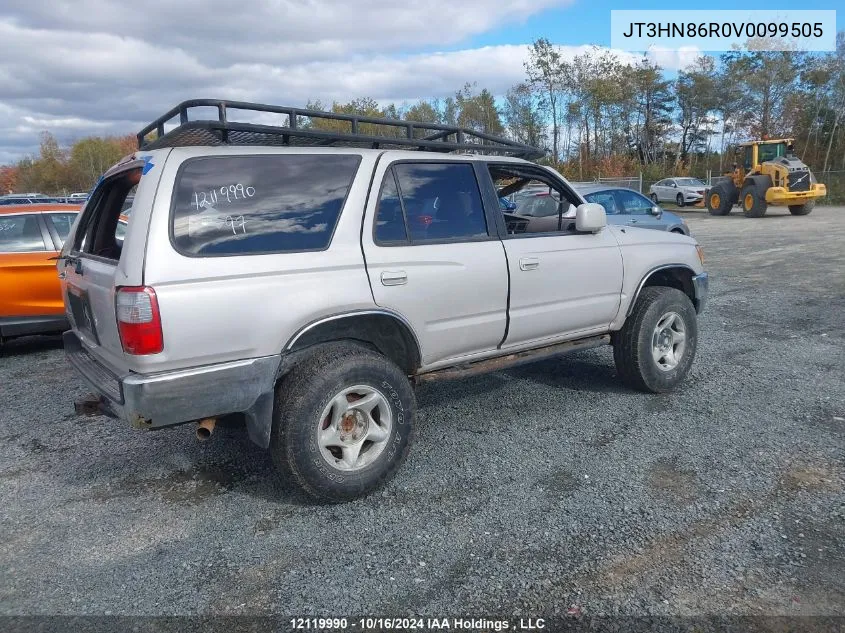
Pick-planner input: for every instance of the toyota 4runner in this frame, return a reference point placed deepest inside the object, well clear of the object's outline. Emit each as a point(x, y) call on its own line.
point(304, 276)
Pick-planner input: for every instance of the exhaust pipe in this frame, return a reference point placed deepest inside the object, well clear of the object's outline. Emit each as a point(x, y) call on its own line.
point(205, 428)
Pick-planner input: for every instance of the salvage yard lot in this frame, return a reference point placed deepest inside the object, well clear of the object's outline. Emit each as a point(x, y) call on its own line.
point(527, 491)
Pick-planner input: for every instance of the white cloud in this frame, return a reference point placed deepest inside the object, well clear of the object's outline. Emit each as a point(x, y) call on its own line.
point(674, 59)
point(105, 66)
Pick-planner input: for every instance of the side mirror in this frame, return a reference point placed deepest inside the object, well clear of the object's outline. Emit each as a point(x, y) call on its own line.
point(656, 211)
point(590, 218)
point(674, 185)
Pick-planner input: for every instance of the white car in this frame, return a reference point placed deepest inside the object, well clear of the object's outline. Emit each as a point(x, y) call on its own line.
point(681, 191)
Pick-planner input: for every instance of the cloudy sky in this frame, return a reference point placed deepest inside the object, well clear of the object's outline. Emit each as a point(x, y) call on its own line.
point(83, 67)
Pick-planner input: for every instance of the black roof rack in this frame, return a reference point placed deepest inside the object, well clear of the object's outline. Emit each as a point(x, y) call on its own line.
point(312, 128)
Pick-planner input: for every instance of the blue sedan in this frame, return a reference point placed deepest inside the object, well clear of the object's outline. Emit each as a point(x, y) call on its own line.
point(627, 207)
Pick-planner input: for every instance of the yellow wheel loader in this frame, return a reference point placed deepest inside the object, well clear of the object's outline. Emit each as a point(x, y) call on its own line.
point(770, 174)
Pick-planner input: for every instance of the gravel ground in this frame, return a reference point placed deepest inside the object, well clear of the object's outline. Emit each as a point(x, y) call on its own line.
point(527, 491)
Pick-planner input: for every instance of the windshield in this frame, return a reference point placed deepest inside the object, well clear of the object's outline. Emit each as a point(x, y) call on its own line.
point(770, 151)
point(689, 182)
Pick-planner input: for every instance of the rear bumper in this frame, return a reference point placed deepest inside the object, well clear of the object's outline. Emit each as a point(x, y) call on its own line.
point(157, 400)
point(701, 287)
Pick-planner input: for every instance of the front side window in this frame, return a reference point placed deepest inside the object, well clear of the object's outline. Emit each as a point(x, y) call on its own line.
point(242, 205)
point(542, 204)
point(441, 201)
point(771, 151)
point(20, 234)
point(633, 203)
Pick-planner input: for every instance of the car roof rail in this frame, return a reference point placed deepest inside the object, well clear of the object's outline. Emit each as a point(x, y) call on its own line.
point(300, 127)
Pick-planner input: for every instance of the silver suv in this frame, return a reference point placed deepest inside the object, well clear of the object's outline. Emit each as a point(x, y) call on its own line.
point(304, 279)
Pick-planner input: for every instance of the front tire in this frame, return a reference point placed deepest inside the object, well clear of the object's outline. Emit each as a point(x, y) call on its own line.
point(802, 209)
point(680, 199)
point(343, 422)
point(655, 348)
point(753, 201)
point(719, 200)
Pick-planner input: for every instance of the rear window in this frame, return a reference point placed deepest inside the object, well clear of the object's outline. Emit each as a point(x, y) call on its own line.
point(20, 234)
point(242, 205)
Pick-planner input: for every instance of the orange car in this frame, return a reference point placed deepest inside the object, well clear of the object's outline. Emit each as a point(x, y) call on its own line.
point(31, 236)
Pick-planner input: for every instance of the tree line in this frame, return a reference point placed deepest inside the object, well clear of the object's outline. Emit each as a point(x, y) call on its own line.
point(594, 114)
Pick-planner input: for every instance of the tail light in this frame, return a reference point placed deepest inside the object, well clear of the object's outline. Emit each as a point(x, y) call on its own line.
point(139, 320)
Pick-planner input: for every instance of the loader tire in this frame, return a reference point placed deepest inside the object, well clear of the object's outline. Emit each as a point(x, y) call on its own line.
point(802, 209)
point(753, 200)
point(719, 200)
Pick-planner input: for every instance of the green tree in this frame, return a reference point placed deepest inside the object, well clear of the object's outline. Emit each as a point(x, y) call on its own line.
point(696, 99)
point(523, 117)
point(545, 73)
point(478, 111)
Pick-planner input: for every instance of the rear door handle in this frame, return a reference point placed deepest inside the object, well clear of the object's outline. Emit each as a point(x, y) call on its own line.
point(529, 263)
point(632, 221)
point(394, 278)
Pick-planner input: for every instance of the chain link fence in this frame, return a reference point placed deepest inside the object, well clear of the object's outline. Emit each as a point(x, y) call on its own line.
point(630, 182)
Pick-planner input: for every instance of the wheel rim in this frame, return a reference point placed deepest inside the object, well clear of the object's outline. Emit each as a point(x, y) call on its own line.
point(354, 428)
point(669, 341)
point(749, 201)
point(715, 201)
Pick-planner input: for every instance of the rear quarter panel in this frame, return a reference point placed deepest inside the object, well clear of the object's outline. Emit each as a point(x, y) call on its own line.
point(217, 309)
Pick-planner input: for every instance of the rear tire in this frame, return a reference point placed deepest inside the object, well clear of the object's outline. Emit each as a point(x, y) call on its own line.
point(753, 201)
point(334, 450)
point(719, 200)
point(654, 198)
point(655, 348)
point(679, 199)
point(802, 209)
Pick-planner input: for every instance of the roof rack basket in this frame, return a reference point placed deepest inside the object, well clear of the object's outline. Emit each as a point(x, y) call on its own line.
point(297, 127)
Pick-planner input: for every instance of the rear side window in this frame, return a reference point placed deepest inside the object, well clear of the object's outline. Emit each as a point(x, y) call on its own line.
point(390, 221)
point(20, 234)
point(242, 205)
point(62, 223)
point(605, 199)
point(633, 203)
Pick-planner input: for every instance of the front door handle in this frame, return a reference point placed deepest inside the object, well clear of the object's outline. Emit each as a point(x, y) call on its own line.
point(632, 221)
point(394, 278)
point(529, 263)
